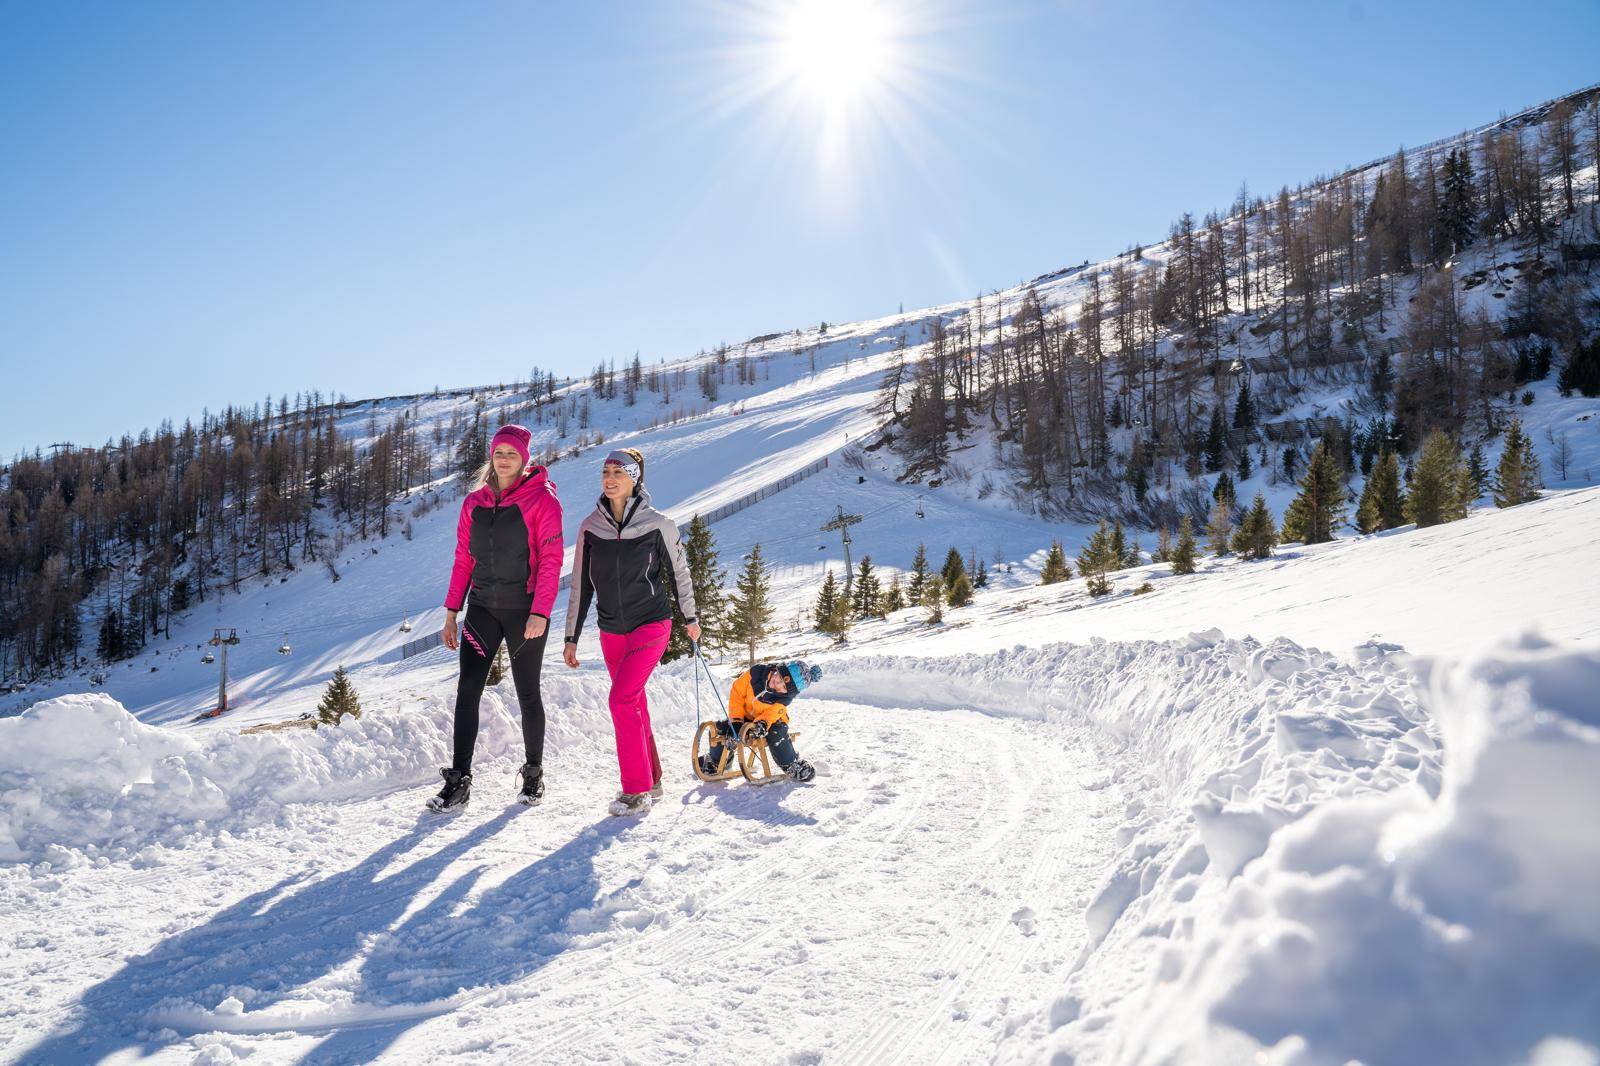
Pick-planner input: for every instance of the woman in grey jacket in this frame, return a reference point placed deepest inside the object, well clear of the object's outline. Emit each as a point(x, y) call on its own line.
point(626, 553)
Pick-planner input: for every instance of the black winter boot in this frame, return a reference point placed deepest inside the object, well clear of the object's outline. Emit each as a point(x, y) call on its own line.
point(532, 791)
point(455, 793)
point(801, 771)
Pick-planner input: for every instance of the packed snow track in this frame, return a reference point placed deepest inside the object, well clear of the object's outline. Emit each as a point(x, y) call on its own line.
point(895, 910)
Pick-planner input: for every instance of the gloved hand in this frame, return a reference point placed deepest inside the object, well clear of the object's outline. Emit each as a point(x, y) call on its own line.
point(756, 730)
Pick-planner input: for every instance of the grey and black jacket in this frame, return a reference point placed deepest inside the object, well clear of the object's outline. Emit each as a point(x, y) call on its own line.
point(624, 568)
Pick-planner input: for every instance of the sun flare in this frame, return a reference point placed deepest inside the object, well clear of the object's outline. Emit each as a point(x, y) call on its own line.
point(837, 51)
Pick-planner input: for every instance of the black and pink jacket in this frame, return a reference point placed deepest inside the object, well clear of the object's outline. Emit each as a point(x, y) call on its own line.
point(508, 547)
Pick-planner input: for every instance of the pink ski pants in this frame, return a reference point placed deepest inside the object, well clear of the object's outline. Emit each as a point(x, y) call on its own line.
point(631, 658)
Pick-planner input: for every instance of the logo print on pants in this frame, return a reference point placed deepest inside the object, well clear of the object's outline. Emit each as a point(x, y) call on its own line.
point(473, 640)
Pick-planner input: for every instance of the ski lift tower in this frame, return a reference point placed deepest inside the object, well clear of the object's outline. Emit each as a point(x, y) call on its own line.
point(843, 523)
point(223, 642)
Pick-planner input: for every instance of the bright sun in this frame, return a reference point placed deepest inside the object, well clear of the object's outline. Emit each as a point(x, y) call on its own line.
point(838, 51)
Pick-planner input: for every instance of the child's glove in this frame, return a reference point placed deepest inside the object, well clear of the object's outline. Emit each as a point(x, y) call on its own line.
point(757, 730)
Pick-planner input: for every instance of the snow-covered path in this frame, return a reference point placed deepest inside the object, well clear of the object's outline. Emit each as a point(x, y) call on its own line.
point(917, 891)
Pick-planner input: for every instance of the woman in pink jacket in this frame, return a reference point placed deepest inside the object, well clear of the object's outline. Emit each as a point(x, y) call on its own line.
point(507, 567)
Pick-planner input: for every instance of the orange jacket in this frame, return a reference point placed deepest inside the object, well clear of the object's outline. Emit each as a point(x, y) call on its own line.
point(743, 704)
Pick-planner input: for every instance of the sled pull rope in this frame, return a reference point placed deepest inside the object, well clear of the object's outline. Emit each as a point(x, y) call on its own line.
point(694, 647)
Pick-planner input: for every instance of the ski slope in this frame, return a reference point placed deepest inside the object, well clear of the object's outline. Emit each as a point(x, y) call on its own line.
point(1213, 847)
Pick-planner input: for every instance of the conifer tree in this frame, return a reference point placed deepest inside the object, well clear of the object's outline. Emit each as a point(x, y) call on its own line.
point(1478, 470)
point(832, 614)
point(1440, 484)
point(472, 450)
point(707, 578)
point(750, 608)
point(1244, 408)
point(977, 570)
point(933, 598)
point(338, 700)
point(1163, 551)
point(1223, 491)
point(1097, 559)
point(919, 575)
point(895, 599)
point(953, 567)
point(1245, 469)
point(1118, 547)
point(1132, 554)
point(1319, 508)
point(1055, 569)
point(959, 592)
point(866, 595)
point(1219, 530)
point(1517, 477)
point(1382, 502)
point(1257, 535)
point(1183, 553)
point(1216, 441)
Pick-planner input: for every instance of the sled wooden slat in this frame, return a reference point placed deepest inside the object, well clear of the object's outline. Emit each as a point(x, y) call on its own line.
point(707, 734)
point(753, 760)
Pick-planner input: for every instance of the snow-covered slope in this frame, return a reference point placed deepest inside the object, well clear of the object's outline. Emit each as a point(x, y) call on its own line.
point(1194, 849)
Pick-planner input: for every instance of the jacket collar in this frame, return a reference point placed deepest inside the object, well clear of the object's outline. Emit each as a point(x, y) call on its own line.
point(533, 479)
point(639, 499)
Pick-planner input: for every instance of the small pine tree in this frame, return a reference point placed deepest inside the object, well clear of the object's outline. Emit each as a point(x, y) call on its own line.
point(1119, 547)
point(1183, 553)
point(472, 451)
point(1163, 550)
point(832, 613)
point(1216, 441)
point(1244, 408)
point(1257, 535)
point(953, 567)
point(919, 575)
point(959, 593)
point(338, 700)
point(1383, 504)
point(1517, 477)
point(978, 570)
point(1316, 512)
point(750, 608)
point(707, 578)
point(1245, 469)
point(933, 598)
point(866, 595)
point(1581, 373)
point(1224, 492)
point(1133, 555)
point(1478, 470)
point(1440, 484)
point(497, 667)
point(1219, 530)
point(1097, 559)
point(1055, 569)
point(893, 600)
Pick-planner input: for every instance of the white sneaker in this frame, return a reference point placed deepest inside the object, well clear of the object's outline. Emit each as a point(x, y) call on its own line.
point(630, 803)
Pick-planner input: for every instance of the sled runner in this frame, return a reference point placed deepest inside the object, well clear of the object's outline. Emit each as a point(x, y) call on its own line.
point(744, 754)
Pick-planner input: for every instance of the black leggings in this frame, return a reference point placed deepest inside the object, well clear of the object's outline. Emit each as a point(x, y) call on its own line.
point(778, 743)
point(482, 631)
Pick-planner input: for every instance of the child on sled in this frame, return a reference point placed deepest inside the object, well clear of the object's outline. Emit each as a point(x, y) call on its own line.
point(763, 694)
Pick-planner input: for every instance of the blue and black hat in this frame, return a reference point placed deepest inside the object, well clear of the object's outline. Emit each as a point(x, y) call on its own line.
point(803, 675)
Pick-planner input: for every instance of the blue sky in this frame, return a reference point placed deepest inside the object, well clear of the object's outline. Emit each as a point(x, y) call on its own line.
point(202, 203)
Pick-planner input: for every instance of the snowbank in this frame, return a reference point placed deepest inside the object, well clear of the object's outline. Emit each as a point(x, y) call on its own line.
point(79, 775)
point(1307, 876)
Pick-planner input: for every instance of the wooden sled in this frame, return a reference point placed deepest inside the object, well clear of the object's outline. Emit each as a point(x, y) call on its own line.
point(747, 758)
point(705, 738)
